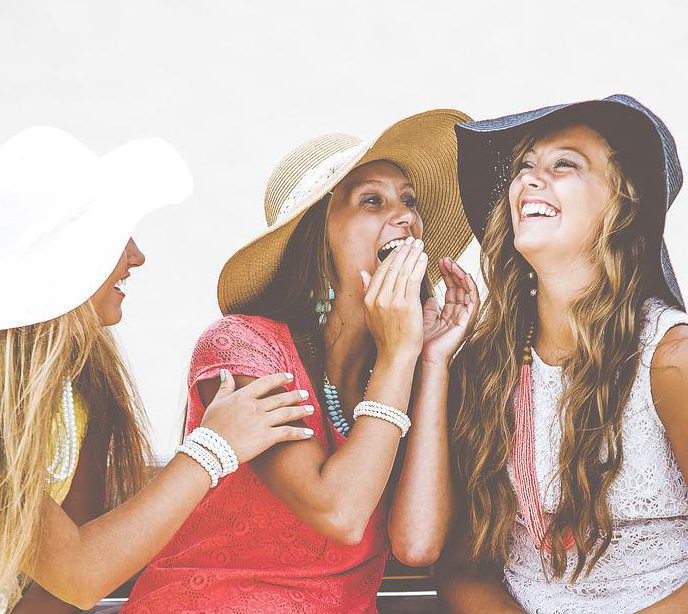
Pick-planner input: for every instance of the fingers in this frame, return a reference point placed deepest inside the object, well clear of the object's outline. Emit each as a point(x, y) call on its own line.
point(380, 273)
point(283, 399)
point(416, 277)
point(430, 311)
point(365, 278)
point(291, 433)
point(227, 383)
point(292, 413)
point(407, 268)
point(262, 386)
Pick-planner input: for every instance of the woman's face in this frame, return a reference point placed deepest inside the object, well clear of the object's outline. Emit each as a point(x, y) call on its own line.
point(372, 209)
point(559, 194)
point(107, 300)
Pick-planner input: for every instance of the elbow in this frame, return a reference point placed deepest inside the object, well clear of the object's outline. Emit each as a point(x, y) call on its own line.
point(345, 529)
point(415, 554)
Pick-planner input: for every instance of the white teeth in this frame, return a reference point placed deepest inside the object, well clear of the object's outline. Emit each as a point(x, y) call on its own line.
point(121, 282)
point(392, 244)
point(531, 209)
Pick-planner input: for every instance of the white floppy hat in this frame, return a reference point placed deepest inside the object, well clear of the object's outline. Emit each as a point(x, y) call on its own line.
point(67, 215)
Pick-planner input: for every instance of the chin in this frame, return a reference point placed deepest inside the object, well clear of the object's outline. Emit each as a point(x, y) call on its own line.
point(111, 318)
point(531, 244)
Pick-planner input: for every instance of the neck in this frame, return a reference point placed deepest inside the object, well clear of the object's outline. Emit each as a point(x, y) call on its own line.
point(558, 287)
point(348, 344)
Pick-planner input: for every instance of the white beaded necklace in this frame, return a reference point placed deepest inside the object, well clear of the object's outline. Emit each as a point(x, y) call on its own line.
point(64, 461)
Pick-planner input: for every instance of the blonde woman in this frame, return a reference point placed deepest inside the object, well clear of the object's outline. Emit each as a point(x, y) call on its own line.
point(70, 420)
point(335, 291)
point(571, 434)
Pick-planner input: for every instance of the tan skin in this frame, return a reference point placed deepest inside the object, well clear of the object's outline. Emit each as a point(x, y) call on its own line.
point(86, 555)
point(566, 170)
point(374, 204)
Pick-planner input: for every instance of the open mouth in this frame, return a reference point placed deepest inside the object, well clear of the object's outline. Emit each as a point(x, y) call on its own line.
point(120, 284)
point(538, 209)
point(389, 247)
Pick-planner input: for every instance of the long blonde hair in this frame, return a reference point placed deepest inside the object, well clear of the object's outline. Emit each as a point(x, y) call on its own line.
point(605, 323)
point(35, 360)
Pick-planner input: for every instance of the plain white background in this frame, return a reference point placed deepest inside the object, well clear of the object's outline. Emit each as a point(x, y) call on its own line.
point(235, 85)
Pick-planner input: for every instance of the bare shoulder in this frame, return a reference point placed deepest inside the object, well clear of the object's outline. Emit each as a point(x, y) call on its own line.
point(669, 374)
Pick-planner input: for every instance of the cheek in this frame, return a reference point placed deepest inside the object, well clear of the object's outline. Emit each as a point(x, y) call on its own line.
point(514, 194)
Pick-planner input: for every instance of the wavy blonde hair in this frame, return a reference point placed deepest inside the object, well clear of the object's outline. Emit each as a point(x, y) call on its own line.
point(34, 362)
point(605, 323)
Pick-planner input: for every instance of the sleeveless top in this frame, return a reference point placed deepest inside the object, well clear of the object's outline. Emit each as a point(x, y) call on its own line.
point(242, 550)
point(648, 556)
point(58, 490)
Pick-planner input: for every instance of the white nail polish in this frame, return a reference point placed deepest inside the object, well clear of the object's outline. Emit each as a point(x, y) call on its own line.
point(304, 394)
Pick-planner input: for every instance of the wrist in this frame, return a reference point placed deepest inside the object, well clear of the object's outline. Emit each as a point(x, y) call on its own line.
point(398, 359)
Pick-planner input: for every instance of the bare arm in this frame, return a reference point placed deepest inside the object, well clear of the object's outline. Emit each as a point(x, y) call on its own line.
point(81, 565)
point(83, 503)
point(669, 378)
point(422, 508)
point(336, 494)
point(464, 590)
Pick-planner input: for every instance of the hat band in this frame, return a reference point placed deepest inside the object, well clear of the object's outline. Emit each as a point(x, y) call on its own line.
point(314, 179)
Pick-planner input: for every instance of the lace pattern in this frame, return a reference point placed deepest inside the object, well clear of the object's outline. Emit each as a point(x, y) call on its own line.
point(242, 550)
point(648, 557)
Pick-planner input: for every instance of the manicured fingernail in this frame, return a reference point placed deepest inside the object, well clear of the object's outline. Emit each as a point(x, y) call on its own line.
point(289, 376)
point(417, 243)
point(423, 255)
point(409, 240)
point(304, 394)
point(223, 375)
point(309, 432)
point(309, 409)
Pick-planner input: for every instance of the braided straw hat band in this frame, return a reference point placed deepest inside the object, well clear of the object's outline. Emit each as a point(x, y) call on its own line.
point(424, 145)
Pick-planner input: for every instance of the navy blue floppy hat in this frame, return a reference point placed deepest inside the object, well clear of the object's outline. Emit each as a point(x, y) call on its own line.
point(645, 149)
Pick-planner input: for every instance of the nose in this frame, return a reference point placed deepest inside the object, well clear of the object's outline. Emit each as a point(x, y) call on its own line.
point(403, 215)
point(531, 178)
point(135, 256)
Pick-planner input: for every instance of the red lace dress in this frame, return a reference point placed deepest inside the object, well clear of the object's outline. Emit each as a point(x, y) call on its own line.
point(243, 550)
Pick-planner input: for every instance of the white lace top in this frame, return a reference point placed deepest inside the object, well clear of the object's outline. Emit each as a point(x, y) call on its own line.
point(648, 556)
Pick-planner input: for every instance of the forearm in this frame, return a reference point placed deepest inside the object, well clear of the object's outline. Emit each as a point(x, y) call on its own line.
point(81, 565)
point(465, 593)
point(337, 493)
point(676, 603)
point(422, 508)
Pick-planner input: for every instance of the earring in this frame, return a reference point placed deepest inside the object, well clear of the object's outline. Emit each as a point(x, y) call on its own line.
point(532, 280)
point(323, 307)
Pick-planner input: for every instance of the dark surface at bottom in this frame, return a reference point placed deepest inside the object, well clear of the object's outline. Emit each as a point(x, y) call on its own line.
point(385, 605)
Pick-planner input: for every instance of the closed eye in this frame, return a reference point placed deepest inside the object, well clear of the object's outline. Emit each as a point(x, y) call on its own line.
point(564, 163)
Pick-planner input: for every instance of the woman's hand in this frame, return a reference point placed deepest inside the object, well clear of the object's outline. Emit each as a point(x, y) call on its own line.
point(393, 312)
point(444, 331)
point(251, 420)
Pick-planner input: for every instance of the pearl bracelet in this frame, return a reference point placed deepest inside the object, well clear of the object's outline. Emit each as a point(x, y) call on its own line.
point(384, 412)
point(204, 458)
point(217, 445)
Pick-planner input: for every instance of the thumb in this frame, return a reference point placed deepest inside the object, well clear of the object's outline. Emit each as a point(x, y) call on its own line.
point(226, 381)
point(365, 278)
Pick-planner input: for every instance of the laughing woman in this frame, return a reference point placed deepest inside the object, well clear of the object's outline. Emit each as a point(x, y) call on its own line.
point(332, 291)
point(571, 437)
point(71, 438)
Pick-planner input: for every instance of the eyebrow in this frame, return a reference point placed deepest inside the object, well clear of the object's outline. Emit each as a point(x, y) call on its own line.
point(358, 184)
point(568, 148)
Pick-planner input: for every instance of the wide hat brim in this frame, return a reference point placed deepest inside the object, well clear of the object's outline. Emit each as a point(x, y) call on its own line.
point(424, 146)
point(647, 152)
point(68, 215)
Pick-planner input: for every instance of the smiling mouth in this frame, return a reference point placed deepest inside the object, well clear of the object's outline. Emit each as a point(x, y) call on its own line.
point(120, 283)
point(538, 209)
point(389, 247)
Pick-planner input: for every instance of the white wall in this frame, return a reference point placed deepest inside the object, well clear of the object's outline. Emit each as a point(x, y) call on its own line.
point(236, 85)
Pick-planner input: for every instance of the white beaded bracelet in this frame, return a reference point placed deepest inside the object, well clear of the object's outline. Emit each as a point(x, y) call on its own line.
point(204, 458)
point(217, 445)
point(384, 412)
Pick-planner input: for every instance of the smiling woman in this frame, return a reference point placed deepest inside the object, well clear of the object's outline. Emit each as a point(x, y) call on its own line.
point(332, 292)
point(570, 434)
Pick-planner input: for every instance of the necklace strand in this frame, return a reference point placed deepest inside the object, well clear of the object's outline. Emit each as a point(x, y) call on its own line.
point(64, 461)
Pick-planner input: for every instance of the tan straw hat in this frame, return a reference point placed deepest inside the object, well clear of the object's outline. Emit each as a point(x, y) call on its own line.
point(424, 145)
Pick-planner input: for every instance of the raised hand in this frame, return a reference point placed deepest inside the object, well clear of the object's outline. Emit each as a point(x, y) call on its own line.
point(393, 312)
point(445, 330)
point(252, 419)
